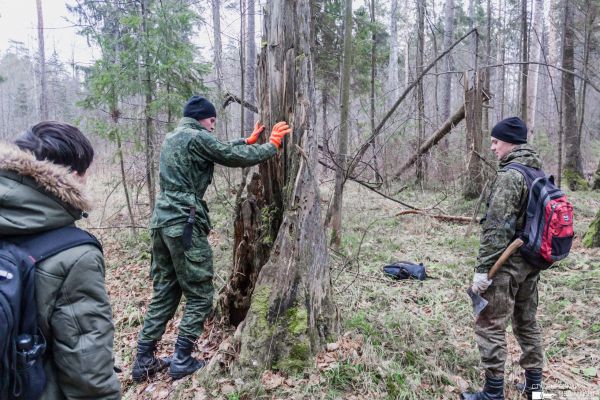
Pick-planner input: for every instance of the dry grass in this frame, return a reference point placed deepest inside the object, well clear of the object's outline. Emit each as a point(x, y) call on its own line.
point(404, 340)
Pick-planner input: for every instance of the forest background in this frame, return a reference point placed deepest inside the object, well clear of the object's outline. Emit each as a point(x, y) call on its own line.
point(400, 142)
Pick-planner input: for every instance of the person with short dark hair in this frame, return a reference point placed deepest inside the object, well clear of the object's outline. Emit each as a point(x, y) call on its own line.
point(42, 177)
point(514, 293)
point(182, 261)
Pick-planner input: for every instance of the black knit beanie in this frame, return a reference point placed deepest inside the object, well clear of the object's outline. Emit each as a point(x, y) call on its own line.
point(511, 130)
point(198, 107)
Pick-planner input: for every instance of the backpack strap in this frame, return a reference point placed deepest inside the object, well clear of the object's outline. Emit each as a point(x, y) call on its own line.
point(47, 244)
point(530, 174)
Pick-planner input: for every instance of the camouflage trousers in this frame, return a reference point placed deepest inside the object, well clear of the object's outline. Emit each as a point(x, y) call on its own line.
point(512, 295)
point(176, 271)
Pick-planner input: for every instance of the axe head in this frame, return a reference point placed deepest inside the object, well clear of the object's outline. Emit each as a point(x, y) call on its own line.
point(479, 303)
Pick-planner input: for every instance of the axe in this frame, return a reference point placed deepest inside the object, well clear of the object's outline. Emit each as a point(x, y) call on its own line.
point(479, 303)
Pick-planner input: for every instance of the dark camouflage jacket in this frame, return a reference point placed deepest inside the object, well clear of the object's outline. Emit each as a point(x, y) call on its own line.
point(506, 208)
point(187, 159)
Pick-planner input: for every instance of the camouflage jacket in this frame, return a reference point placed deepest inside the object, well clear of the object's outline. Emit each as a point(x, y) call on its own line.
point(187, 159)
point(506, 208)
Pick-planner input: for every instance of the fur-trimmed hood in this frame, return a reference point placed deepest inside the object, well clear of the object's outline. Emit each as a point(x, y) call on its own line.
point(53, 178)
point(36, 195)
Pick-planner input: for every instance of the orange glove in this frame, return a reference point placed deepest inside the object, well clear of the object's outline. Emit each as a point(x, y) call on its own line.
point(279, 131)
point(258, 128)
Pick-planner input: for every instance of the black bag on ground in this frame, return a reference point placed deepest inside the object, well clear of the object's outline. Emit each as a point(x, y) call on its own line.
point(22, 345)
point(406, 270)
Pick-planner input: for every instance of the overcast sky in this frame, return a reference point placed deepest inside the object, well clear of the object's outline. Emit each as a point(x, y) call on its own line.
point(18, 21)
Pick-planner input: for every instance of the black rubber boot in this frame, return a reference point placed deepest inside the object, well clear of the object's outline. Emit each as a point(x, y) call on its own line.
point(183, 364)
point(533, 382)
point(146, 364)
point(493, 390)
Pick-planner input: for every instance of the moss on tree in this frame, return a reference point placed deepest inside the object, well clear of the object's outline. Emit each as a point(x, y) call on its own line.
point(575, 180)
point(592, 236)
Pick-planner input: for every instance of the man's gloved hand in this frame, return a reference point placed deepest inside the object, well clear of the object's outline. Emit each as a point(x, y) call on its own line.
point(258, 128)
point(279, 131)
point(481, 282)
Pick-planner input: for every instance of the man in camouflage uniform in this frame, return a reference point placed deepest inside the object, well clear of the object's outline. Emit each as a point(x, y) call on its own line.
point(181, 255)
point(513, 295)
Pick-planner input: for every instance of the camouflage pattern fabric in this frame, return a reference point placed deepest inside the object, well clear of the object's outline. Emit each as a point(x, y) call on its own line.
point(513, 294)
point(176, 271)
point(187, 159)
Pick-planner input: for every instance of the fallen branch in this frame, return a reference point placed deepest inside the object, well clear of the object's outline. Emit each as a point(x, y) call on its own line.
point(371, 188)
point(446, 128)
point(441, 217)
point(361, 151)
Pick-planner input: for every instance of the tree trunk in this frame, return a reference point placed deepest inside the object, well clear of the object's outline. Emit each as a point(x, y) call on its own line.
point(573, 166)
point(447, 79)
point(340, 172)
point(538, 15)
point(485, 122)
point(372, 111)
point(590, 17)
point(393, 78)
point(502, 44)
point(242, 77)
point(42, 55)
point(291, 315)
point(592, 236)
point(524, 59)
point(250, 63)
point(420, 164)
point(473, 106)
point(596, 185)
point(148, 123)
point(218, 62)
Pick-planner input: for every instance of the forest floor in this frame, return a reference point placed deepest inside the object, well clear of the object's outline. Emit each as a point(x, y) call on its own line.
point(400, 339)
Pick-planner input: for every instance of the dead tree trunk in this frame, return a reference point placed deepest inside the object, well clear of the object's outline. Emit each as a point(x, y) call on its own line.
point(473, 106)
point(291, 314)
point(420, 163)
point(524, 59)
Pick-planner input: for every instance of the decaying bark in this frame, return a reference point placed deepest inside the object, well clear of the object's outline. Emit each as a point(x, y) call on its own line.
point(291, 314)
point(473, 107)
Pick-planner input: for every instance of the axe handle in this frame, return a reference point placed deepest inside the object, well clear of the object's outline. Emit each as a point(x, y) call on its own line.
point(504, 256)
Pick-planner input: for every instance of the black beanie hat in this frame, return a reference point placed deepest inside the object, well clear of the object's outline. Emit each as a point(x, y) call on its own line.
point(511, 130)
point(198, 107)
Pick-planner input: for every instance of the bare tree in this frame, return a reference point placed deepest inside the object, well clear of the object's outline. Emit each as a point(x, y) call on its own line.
point(42, 56)
point(393, 78)
point(218, 65)
point(573, 166)
point(447, 79)
point(524, 59)
point(420, 164)
point(536, 38)
point(250, 62)
point(335, 211)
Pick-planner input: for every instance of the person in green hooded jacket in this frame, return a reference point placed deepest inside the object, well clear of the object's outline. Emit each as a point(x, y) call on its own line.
point(182, 263)
point(42, 178)
point(513, 296)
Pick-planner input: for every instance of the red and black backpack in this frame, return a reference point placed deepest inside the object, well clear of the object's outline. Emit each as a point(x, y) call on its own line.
point(548, 231)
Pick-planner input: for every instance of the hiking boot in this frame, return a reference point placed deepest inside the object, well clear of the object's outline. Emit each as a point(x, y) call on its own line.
point(493, 390)
point(146, 364)
point(183, 364)
point(533, 382)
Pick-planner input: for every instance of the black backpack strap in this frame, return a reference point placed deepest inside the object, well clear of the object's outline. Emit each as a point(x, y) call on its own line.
point(47, 244)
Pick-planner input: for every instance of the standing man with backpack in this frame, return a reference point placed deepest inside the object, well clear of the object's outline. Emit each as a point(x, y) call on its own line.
point(182, 261)
point(42, 179)
point(513, 294)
